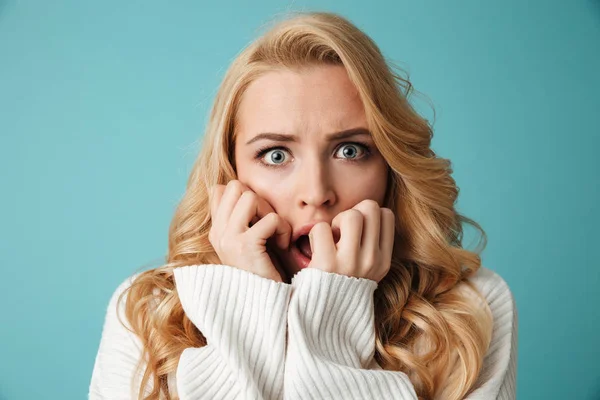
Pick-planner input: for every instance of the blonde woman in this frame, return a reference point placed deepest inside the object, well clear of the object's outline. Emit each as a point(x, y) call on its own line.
point(316, 253)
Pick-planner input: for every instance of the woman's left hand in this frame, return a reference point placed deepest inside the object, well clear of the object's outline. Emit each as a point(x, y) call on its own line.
point(366, 242)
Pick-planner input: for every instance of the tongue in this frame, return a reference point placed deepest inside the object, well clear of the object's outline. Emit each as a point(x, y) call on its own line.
point(303, 244)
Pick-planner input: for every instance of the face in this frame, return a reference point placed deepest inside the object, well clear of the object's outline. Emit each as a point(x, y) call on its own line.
point(307, 176)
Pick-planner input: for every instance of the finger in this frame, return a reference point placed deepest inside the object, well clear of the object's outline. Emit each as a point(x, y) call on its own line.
point(251, 208)
point(283, 235)
point(371, 225)
point(243, 212)
point(233, 192)
point(388, 229)
point(215, 199)
point(388, 233)
point(350, 225)
point(272, 224)
point(321, 241)
point(263, 207)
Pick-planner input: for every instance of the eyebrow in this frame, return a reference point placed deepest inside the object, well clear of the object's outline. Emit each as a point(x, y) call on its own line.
point(279, 137)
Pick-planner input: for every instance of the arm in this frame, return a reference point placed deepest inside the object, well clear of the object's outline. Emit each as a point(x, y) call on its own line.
point(113, 376)
point(242, 316)
point(498, 378)
point(332, 341)
point(342, 307)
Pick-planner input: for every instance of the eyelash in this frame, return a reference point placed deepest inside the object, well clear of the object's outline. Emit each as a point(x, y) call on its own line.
point(264, 150)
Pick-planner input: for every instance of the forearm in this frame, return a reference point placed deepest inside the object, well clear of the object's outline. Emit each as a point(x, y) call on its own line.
point(332, 341)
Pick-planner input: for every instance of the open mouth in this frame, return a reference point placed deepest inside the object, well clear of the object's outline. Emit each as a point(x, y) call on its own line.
point(303, 245)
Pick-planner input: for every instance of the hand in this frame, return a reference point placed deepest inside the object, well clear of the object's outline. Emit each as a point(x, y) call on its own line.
point(237, 240)
point(365, 246)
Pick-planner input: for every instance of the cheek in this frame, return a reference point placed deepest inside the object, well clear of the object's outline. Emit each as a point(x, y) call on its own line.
point(251, 175)
point(376, 187)
point(274, 189)
point(272, 192)
point(367, 184)
point(379, 181)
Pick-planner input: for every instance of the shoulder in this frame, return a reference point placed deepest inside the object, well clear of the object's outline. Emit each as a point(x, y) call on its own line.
point(498, 375)
point(496, 291)
point(115, 321)
point(119, 351)
point(120, 290)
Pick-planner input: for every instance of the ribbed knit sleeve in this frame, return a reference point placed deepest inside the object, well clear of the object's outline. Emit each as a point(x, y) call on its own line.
point(119, 352)
point(331, 341)
point(243, 317)
point(330, 344)
point(498, 377)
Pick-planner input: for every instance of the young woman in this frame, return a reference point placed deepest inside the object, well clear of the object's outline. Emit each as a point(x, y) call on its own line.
point(317, 252)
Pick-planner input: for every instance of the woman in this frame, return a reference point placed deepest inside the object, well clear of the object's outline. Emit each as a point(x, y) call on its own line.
point(317, 252)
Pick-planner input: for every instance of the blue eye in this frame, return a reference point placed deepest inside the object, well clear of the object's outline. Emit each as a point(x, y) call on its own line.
point(352, 154)
point(276, 155)
point(277, 158)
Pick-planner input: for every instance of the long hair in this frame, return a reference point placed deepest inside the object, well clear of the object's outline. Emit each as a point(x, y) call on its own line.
point(431, 322)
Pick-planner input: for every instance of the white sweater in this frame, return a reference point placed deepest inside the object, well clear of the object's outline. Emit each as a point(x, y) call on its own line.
point(311, 339)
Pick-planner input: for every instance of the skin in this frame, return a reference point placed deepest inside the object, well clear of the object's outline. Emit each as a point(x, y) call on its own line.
point(314, 179)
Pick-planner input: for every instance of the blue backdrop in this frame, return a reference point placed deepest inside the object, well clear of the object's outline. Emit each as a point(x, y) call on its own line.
point(103, 104)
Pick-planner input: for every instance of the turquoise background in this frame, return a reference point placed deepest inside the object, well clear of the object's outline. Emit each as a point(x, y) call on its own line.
point(102, 105)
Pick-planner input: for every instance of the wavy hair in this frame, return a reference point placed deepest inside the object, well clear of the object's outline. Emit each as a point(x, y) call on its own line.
point(431, 322)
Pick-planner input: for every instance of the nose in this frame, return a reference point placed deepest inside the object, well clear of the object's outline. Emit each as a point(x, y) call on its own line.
point(315, 185)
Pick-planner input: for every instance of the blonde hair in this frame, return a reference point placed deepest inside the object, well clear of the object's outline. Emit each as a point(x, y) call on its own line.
point(431, 322)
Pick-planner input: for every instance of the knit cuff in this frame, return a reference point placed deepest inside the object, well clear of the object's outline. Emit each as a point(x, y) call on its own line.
point(218, 298)
point(243, 317)
point(335, 313)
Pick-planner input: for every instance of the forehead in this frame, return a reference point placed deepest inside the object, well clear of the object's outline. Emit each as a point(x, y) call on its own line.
point(313, 100)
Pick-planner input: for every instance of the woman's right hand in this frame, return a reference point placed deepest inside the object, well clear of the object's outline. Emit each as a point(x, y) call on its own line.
point(234, 207)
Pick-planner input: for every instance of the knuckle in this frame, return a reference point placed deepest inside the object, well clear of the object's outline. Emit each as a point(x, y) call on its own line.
point(370, 204)
point(320, 225)
point(235, 185)
point(270, 217)
point(386, 211)
point(354, 215)
point(274, 216)
point(249, 195)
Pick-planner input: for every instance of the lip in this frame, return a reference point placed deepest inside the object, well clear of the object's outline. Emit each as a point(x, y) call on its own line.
point(301, 260)
point(303, 230)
